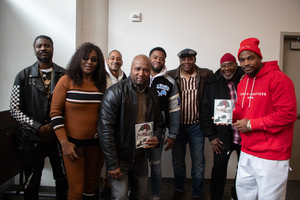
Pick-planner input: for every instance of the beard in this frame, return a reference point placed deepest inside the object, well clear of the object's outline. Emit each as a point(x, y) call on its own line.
point(228, 77)
point(156, 70)
point(45, 59)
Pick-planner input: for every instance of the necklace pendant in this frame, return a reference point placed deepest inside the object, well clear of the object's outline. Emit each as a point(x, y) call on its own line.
point(47, 82)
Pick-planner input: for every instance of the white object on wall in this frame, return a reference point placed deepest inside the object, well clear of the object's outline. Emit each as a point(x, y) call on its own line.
point(135, 17)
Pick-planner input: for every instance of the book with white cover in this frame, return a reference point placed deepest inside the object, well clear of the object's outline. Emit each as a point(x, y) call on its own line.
point(223, 111)
point(143, 131)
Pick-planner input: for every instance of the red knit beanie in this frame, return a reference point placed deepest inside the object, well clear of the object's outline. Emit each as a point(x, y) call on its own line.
point(228, 57)
point(250, 44)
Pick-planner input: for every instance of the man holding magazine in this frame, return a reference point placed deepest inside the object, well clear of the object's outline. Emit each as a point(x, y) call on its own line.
point(126, 107)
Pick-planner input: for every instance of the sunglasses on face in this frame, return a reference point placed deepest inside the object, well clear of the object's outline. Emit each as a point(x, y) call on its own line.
point(93, 59)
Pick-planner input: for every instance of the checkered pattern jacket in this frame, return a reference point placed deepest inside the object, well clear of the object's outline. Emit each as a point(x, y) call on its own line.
point(29, 104)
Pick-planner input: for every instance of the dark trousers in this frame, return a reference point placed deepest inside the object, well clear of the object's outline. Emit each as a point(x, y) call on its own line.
point(33, 164)
point(219, 173)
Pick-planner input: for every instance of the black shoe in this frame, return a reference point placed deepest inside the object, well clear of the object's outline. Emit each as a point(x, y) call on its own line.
point(104, 192)
point(178, 195)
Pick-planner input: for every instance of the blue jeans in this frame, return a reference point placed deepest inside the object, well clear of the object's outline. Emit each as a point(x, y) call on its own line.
point(135, 177)
point(155, 164)
point(189, 133)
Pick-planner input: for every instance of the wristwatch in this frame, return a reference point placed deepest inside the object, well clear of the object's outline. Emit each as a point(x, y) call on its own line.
point(249, 125)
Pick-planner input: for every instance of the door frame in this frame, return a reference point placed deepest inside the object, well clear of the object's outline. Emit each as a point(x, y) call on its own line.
point(283, 36)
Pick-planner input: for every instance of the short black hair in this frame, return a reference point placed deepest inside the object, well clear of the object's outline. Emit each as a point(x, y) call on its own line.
point(43, 36)
point(113, 51)
point(158, 49)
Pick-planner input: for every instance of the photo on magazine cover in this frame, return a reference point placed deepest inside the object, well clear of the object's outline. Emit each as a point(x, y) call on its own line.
point(223, 111)
point(143, 131)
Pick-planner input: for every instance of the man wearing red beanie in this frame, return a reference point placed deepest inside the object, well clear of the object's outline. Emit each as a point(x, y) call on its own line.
point(265, 114)
point(223, 139)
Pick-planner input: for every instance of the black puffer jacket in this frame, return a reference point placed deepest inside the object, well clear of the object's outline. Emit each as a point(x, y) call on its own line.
point(216, 88)
point(118, 118)
point(29, 104)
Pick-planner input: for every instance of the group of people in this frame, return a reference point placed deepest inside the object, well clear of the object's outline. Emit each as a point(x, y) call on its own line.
point(90, 114)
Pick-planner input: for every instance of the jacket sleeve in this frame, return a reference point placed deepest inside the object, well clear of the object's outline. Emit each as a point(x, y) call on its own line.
point(57, 107)
point(158, 128)
point(106, 127)
point(17, 109)
point(174, 112)
point(283, 97)
point(206, 115)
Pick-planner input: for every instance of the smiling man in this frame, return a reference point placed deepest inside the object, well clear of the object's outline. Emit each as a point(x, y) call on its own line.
point(190, 80)
point(114, 63)
point(265, 114)
point(114, 75)
point(223, 139)
point(30, 105)
point(126, 105)
point(169, 102)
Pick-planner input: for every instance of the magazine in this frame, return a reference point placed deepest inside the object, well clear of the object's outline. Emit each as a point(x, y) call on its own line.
point(223, 111)
point(143, 131)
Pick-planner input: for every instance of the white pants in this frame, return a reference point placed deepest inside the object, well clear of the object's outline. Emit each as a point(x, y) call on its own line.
point(262, 179)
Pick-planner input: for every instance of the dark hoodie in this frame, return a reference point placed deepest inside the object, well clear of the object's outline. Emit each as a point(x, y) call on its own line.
point(269, 100)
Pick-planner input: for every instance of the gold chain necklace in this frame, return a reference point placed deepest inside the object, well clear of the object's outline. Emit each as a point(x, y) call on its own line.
point(46, 82)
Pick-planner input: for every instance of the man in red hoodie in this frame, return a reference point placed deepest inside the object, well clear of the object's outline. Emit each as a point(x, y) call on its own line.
point(265, 114)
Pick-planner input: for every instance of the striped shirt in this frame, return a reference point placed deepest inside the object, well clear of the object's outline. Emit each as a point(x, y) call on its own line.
point(189, 110)
point(75, 109)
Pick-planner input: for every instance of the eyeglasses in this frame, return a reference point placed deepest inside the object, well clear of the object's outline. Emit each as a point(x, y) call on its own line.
point(223, 65)
point(93, 59)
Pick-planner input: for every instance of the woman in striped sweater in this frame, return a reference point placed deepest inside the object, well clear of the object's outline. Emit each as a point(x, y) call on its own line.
point(74, 114)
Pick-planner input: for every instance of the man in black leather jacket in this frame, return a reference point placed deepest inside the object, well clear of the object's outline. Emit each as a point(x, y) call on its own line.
point(30, 105)
point(125, 105)
point(224, 139)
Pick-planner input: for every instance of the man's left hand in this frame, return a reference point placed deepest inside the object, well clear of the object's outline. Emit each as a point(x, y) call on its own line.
point(152, 142)
point(47, 132)
point(241, 125)
point(170, 145)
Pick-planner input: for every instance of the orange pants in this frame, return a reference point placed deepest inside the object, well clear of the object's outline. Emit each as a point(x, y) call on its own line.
point(82, 172)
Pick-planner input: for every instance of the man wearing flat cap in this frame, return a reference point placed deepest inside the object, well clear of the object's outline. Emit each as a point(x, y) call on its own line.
point(223, 139)
point(190, 80)
point(264, 114)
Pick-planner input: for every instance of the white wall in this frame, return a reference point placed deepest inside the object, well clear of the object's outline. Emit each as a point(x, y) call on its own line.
point(212, 28)
point(20, 22)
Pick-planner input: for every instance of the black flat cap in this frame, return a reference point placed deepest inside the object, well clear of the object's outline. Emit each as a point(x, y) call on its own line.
point(187, 52)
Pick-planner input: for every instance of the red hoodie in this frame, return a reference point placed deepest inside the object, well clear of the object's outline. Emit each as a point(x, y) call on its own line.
point(269, 100)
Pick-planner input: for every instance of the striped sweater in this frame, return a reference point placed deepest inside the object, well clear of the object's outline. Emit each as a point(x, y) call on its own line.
point(75, 109)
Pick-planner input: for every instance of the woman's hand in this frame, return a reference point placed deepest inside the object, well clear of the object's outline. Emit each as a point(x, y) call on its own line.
point(68, 149)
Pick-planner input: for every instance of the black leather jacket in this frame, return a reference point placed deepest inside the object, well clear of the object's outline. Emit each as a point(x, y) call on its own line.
point(118, 118)
point(29, 104)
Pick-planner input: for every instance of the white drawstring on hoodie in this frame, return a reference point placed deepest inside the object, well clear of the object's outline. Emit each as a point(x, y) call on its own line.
point(250, 93)
point(161, 73)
